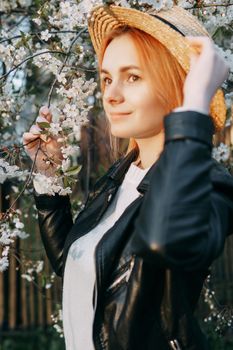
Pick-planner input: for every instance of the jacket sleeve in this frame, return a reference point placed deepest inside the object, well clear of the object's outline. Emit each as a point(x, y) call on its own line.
point(55, 222)
point(187, 211)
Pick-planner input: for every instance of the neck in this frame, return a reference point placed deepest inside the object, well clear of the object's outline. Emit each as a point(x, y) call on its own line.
point(150, 149)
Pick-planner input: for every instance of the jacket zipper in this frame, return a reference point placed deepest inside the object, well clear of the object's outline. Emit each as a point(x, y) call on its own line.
point(97, 285)
point(123, 277)
point(97, 281)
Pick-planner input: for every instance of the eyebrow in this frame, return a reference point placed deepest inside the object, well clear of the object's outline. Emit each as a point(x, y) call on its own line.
point(122, 69)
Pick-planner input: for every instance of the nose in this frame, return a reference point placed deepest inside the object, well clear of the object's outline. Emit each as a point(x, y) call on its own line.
point(113, 93)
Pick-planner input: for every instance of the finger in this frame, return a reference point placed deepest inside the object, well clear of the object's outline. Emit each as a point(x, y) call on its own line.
point(199, 39)
point(45, 112)
point(199, 44)
point(45, 138)
point(35, 130)
point(41, 120)
point(30, 140)
point(193, 60)
point(27, 136)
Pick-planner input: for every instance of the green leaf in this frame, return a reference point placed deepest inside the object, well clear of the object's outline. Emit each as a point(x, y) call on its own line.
point(44, 125)
point(65, 181)
point(43, 281)
point(74, 170)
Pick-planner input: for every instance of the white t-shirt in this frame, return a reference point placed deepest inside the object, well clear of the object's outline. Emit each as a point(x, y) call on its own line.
point(79, 274)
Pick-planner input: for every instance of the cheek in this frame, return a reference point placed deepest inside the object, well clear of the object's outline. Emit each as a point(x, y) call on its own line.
point(105, 110)
point(150, 114)
point(147, 106)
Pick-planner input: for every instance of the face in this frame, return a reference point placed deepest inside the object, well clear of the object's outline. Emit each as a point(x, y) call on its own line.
point(128, 100)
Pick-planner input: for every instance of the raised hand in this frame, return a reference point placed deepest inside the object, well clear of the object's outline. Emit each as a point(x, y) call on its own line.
point(49, 154)
point(208, 70)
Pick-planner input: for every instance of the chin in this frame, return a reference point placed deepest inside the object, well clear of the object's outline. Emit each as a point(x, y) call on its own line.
point(124, 134)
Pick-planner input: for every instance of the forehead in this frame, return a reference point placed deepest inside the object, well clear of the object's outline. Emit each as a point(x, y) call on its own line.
point(120, 52)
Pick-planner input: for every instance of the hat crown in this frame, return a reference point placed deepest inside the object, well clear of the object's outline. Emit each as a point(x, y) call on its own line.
point(181, 19)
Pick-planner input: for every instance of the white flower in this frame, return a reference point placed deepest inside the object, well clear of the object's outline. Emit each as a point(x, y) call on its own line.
point(5, 251)
point(37, 20)
point(6, 136)
point(186, 3)
point(55, 128)
point(85, 6)
point(8, 171)
point(40, 266)
point(25, 3)
point(17, 223)
point(49, 185)
point(70, 151)
point(22, 235)
point(4, 263)
point(221, 153)
point(45, 35)
point(15, 189)
point(65, 164)
point(5, 238)
point(65, 191)
point(61, 78)
point(29, 278)
point(19, 54)
point(77, 132)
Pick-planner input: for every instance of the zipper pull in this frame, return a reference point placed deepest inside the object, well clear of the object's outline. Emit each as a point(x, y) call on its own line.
point(130, 268)
point(175, 344)
point(95, 296)
point(109, 197)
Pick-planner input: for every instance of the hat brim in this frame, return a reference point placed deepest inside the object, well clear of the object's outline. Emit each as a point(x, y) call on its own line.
point(104, 19)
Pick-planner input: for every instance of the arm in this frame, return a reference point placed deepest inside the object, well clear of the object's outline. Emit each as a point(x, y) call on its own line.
point(55, 222)
point(188, 210)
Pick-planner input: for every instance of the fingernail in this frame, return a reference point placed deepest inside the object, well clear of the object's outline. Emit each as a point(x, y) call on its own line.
point(44, 138)
point(44, 110)
point(35, 130)
point(41, 120)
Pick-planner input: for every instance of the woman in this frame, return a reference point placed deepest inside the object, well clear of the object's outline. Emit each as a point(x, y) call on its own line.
point(134, 261)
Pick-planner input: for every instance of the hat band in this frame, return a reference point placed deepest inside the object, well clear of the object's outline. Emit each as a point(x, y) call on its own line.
point(170, 24)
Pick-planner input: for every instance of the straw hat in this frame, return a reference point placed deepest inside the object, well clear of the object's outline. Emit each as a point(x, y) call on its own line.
point(169, 26)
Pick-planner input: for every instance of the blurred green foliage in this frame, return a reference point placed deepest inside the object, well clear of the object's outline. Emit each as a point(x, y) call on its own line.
point(31, 340)
point(48, 339)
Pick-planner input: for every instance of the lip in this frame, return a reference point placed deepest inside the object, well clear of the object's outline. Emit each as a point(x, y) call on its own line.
point(115, 116)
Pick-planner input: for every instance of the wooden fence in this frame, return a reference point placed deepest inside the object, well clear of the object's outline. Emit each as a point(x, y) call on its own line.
point(23, 304)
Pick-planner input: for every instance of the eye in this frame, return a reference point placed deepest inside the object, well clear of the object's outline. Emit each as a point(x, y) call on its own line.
point(105, 80)
point(135, 77)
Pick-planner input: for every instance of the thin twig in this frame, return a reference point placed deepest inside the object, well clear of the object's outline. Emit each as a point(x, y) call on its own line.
point(27, 181)
point(38, 33)
point(63, 65)
point(27, 59)
point(19, 146)
point(209, 5)
point(40, 289)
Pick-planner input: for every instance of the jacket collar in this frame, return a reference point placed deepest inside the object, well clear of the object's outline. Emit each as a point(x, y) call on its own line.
point(120, 167)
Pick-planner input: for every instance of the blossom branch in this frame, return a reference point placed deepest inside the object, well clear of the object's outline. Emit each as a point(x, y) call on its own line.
point(63, 65)
point(38, 33)
point(29, 58)
point(26, 182)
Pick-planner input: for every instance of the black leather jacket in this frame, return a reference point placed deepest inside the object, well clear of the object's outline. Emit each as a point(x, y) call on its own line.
point(151, 264)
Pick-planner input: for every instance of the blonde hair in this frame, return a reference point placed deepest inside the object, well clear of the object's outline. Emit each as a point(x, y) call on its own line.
point(166, 75)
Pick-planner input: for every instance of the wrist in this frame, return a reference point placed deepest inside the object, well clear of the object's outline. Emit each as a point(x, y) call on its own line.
point(46, 172)
point(200, 104)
